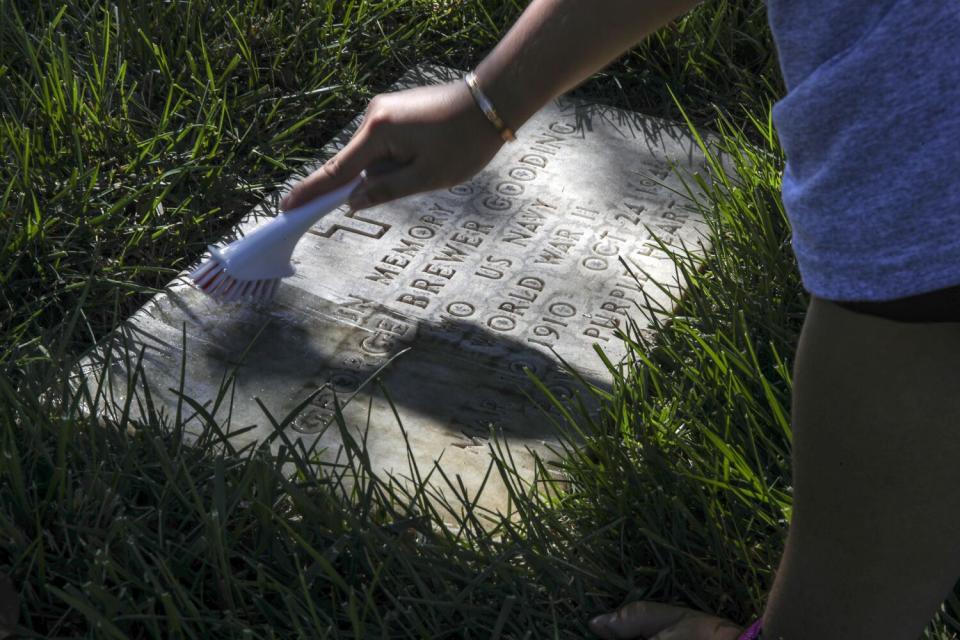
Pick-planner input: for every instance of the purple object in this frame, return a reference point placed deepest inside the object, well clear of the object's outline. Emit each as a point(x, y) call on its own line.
point(752, 632)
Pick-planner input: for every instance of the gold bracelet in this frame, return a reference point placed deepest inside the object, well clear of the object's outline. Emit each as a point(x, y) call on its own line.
point(487, 107)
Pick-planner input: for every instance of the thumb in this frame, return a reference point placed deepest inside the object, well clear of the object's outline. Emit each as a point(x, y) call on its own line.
point(361, 152)
point(640, 619)
point(380, 187)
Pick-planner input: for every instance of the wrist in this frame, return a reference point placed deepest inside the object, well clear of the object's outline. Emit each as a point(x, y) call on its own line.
point(513, 100)
point(472, 114)
point(486, 107)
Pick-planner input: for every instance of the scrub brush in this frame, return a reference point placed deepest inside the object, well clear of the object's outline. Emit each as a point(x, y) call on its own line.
point(252, 267)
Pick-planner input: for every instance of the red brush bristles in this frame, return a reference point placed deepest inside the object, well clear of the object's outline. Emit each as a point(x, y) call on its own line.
point(211, 278)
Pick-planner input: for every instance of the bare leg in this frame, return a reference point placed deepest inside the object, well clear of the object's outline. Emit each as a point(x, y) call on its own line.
point(874, 542)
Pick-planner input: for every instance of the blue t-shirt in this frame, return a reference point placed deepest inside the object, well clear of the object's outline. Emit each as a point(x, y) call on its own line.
point(871, 129)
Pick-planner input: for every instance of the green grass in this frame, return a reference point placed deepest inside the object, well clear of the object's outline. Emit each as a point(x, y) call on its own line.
point(133, 134)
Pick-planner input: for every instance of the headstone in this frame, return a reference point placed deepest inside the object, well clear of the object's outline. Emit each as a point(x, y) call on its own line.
point(449, 297)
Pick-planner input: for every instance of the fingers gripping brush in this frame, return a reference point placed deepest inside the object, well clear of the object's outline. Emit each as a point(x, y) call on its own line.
point(251, 268)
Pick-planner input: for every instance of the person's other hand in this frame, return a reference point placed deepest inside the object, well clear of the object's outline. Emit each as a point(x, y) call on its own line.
point(409, 142)
point(654, 621)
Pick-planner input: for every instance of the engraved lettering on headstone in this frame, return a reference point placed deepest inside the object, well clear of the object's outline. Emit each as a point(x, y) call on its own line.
point(368, 228)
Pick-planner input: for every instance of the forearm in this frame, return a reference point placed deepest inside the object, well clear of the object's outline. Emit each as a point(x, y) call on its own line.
point(556, 44)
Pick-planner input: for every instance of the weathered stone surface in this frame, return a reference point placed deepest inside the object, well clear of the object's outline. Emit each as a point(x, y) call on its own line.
point(518, 268)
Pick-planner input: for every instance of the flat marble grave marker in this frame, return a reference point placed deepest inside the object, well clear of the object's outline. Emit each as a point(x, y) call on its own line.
point(472, 284)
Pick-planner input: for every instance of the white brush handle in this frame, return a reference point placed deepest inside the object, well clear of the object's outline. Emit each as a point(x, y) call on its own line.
point(320, 206)
point(265, 252)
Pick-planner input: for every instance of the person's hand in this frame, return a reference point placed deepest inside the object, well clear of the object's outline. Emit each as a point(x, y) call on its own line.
point(409, 142)
point(654, 621)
